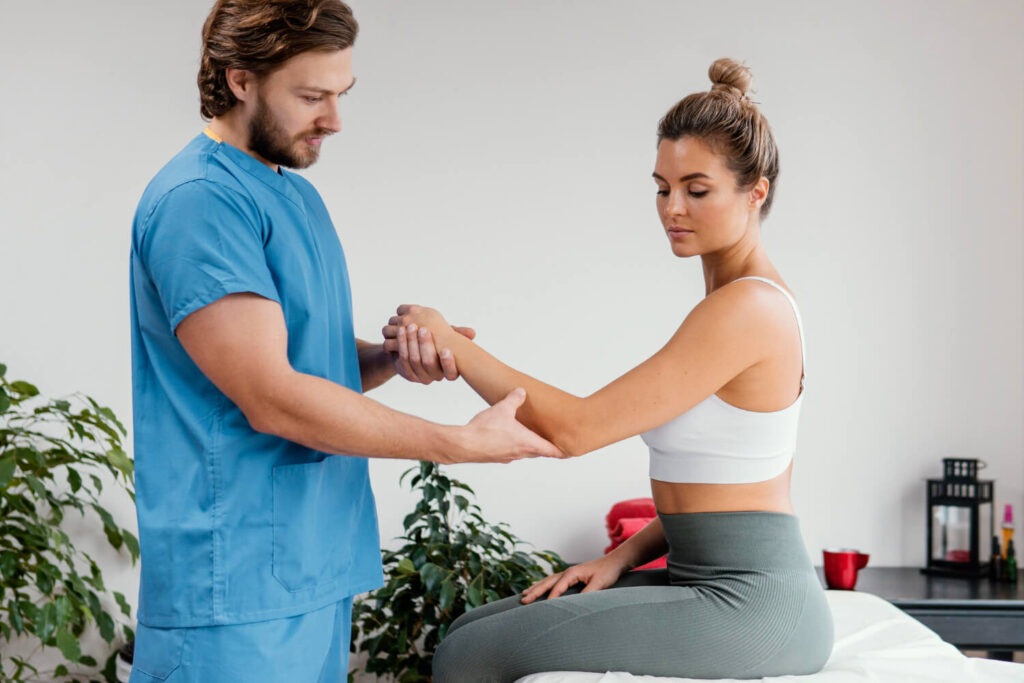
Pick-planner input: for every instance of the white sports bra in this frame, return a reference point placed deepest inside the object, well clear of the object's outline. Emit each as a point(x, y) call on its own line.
point(715, 442)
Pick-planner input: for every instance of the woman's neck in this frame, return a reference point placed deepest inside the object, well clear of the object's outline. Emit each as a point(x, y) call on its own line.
point(739, 260)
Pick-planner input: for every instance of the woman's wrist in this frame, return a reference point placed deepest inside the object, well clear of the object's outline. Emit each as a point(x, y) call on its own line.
point(622, 559)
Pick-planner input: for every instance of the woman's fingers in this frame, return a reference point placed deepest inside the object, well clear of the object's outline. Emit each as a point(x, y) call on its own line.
point(565, 583)
point(540, 588)
point(553, 585)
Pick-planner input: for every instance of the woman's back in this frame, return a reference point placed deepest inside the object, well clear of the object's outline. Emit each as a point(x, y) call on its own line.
point(733, 451)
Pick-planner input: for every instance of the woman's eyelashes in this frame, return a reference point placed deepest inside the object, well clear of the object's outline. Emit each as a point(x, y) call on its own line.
point(697, 194)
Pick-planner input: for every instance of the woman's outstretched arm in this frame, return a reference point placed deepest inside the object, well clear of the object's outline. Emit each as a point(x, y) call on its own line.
point(733, 329)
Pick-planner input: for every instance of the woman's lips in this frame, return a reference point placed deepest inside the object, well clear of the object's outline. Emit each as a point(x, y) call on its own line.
point(679, 232)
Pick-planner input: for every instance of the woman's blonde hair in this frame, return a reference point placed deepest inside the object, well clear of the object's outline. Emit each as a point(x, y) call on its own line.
point(260, 35)
point(731, 124)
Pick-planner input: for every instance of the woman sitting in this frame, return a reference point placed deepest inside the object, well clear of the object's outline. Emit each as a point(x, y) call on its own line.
point(718, 406)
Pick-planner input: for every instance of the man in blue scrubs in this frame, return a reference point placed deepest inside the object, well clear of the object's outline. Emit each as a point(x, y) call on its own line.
point(252, 434)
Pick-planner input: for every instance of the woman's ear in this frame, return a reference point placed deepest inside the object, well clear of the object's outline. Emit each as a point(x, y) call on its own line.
point(759, 193)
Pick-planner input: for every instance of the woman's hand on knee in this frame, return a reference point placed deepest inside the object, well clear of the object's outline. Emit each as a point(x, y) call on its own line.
point(596, 574)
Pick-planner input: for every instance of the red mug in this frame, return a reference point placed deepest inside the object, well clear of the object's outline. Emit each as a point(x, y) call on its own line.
point(841, 567)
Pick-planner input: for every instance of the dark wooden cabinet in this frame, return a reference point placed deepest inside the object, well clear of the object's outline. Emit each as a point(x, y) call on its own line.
point(974, 614)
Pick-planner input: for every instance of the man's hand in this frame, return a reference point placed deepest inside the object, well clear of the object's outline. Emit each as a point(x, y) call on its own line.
point(495, 435)
point(413, 347)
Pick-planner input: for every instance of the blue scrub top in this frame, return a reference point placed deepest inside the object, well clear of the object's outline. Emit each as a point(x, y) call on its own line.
point(234, 525)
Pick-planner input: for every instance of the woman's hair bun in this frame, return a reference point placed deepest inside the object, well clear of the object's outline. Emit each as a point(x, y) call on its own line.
point(730, 76)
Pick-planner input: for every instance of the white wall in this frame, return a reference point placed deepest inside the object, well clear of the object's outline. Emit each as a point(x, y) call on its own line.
point(496, 163)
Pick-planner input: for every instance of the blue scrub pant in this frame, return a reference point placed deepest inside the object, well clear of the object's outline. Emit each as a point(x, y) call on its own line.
point(308, 648)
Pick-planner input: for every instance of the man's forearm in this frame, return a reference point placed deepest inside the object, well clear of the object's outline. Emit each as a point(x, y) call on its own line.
point(375, 365)
point(328, 417)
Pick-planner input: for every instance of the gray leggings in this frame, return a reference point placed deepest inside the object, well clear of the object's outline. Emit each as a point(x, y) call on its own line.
point(739, 600)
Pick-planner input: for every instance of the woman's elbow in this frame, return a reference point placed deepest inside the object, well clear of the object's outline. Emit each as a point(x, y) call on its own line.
point(570, 441)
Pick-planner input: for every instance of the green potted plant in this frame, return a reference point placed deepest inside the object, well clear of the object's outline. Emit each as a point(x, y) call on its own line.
point(452, 560)
point(51, 455)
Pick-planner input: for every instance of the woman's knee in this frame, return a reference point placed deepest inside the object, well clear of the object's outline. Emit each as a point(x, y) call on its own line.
point(460, 657)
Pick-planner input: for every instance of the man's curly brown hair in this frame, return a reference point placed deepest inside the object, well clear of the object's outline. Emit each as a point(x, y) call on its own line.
point(260, 35)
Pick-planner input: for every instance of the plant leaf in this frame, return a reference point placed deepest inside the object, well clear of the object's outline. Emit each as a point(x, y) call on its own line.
point(74, 479)
point(120, 460)
point(131, 543)
point(14, 614)
point(6, 470)
point(475, 591)
point(46, 622)
point(24, 389)
point(432, 576)
point(106, 624)
point(123, 604)
point(68, 645)
point(447, 594)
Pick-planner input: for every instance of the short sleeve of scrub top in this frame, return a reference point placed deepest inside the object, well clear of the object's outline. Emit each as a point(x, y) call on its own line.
point(203, 243)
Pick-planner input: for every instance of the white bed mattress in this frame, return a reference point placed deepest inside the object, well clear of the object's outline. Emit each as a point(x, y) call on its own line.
point(875, 642)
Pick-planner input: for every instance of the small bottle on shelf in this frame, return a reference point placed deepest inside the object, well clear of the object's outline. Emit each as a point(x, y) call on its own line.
point(1007, 528)
point(995, 567)
point(1010, 566)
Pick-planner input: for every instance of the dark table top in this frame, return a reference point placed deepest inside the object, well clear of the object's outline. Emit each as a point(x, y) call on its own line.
point(908, 587)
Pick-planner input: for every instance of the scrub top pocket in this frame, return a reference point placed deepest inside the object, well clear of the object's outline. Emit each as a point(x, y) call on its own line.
point(158, 653)
point(312, 503)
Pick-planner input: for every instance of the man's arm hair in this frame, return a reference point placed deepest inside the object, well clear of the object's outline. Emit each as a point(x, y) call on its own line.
point(240, 342)
point(375, 364)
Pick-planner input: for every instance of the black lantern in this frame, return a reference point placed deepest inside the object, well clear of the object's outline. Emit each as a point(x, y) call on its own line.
point(960, 520)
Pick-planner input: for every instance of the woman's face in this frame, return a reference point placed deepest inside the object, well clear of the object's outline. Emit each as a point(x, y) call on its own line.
point(699, 204)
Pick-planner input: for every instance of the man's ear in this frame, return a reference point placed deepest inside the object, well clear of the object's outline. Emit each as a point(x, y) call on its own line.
point(242, 83)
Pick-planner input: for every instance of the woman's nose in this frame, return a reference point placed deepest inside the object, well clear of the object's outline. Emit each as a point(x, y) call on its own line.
point(676, 204)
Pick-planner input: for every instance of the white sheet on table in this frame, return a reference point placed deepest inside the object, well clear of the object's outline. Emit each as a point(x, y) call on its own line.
point(875, 642)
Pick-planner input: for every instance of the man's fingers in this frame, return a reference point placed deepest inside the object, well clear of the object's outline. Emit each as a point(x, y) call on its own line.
point(415, 361)
point(391, 345)
point(414, 351)
point(448, 366)
point(403, 356)
point(390, 331)
point(546, 449)
point(514, 399)
point(428, 355)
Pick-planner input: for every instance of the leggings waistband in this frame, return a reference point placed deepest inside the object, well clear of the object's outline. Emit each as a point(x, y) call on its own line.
point(737, 540)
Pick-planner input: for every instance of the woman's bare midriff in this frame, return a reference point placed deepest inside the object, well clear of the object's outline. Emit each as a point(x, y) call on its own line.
point(769, 496)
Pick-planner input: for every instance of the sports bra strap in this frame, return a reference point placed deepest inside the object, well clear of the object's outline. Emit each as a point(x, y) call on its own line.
point(799, 320)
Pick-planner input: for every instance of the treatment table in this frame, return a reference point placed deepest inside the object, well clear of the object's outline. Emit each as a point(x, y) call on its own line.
point(875, 642)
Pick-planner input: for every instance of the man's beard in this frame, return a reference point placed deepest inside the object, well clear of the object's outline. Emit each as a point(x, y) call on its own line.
point(267, 139)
